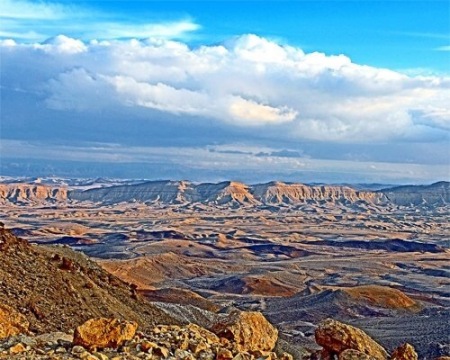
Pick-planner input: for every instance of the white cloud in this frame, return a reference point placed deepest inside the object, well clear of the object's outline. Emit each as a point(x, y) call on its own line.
point(63, 44)
point(246, 82)
point(443, 48)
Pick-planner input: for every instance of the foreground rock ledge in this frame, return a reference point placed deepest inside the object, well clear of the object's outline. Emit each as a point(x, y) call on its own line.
point(336, 337)
point(104, 333)
point(250, 331)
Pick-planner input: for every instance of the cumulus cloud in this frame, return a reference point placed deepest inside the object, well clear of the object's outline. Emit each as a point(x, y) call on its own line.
point(248, 81)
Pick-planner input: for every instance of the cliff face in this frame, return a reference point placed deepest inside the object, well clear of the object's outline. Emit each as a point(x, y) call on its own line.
point(278, 193)
point(161, 191)
point(226, 193)
point(31, 193)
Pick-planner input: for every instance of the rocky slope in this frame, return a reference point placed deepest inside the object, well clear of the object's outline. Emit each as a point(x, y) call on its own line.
point(56, 288)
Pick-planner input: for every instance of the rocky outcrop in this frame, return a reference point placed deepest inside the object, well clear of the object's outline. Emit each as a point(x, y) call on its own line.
point(404, 352)
point(12, 322)
point(104, 333)
point(336, 337)
point(250, 331)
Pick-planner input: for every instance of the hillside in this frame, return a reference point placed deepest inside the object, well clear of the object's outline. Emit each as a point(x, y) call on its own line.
point(57, 288)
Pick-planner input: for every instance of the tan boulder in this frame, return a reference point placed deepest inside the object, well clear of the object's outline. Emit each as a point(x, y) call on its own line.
point(17, 349)
point(404, 352)
point(335, 337)
point(104, 333)
point(250, 331)
point(351, 354)
point(12, 322)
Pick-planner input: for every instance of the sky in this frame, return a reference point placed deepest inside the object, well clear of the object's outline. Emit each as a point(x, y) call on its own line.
point(308, 91)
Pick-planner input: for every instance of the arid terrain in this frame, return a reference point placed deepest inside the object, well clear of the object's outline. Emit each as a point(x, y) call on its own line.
point(375, 258)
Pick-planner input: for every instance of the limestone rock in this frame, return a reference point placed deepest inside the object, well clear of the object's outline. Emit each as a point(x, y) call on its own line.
point(250, 331)
point(335, 337)
point(11, 322)
point(404, 352)
point(17, 349)
point(104, 333)
point(351, 354)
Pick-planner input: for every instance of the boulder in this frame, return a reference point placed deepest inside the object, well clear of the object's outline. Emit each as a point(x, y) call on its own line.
point(404, 352)
point(12, 322)
point(335, 337)
point(104, 333)
point(250, 331)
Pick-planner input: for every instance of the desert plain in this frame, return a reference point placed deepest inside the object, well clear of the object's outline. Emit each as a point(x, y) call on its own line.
point(377, 259)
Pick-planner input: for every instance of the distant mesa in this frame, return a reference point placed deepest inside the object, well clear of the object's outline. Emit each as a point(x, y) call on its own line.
point(432, 195)
point(32, 193)
point(227, 193)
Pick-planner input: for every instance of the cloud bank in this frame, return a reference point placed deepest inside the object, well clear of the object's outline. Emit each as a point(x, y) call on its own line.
point(163, 102)
point(248, 81)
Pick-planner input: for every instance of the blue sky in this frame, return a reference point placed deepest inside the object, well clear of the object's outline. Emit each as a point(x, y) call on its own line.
point(334, 91)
